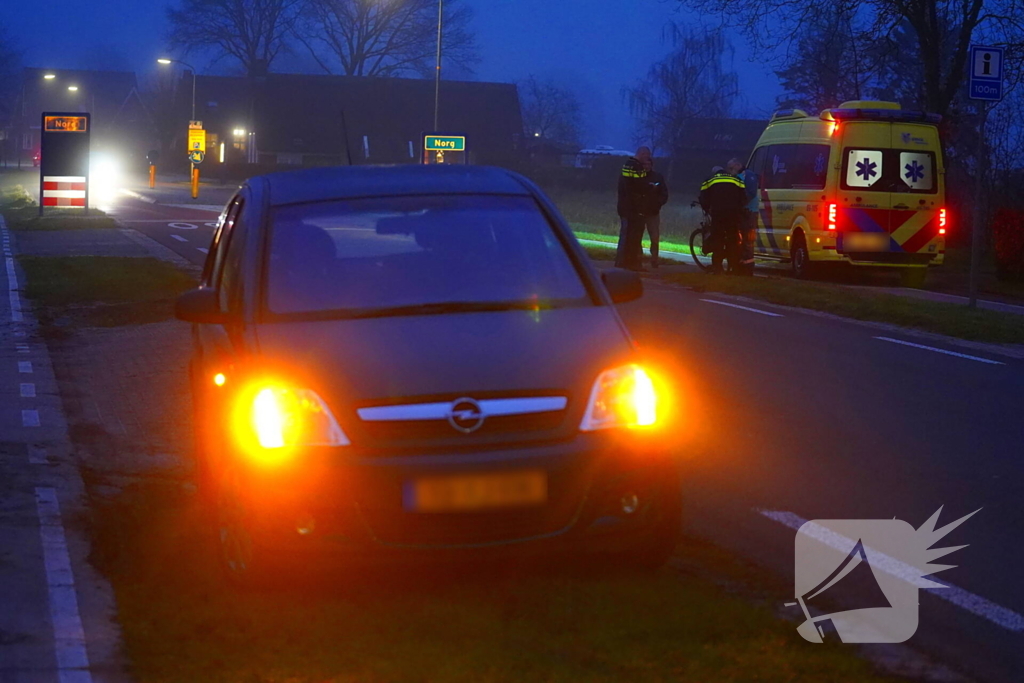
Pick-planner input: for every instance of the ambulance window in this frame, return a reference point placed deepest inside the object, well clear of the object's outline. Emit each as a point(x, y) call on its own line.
point(777, 167)
point(756, 164)
point(810, 167)
point(863, 168)
point(796, 167)
point(917, 172)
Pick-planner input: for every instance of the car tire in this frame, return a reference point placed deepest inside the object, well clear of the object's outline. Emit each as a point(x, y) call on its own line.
point(800, 259)
point(654, 548)
point(243, 558)
point(913, 278)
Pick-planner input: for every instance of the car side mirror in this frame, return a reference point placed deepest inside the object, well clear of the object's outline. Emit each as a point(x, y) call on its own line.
point(200, 306)
point(623, 285)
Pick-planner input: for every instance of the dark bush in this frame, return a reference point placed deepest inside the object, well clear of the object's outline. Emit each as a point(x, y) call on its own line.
point(1008, 231)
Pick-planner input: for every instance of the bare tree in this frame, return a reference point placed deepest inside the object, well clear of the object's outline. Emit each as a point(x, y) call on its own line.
point(943, 30)
point(252, 32)
point(830, 66)
point(385, 37)
point(10, 60)
point(551, 111)
point(692, 82)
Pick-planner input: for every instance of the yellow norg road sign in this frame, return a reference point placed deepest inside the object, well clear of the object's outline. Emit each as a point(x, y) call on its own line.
point(196, 140)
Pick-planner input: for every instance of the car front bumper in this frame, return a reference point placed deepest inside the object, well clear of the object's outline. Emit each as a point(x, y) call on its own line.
point(603, 493)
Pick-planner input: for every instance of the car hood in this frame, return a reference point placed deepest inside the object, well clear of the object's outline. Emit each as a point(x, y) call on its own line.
point(355, 363)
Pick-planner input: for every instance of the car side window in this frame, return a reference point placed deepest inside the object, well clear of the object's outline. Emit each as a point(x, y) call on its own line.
point(756, 164)
point(229, 291)
point(796, 166)
point(221, 243)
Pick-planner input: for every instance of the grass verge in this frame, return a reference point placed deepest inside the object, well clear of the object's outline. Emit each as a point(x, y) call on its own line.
point(181, 622)
point(942, 318)
point(21, 213)
point(102, 291)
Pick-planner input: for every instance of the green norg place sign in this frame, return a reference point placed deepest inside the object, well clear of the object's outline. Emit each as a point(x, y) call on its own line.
point(445, 143)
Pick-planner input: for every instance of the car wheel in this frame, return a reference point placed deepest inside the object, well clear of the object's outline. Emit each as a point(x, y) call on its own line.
point(800, 260)
point(913, 277)
point(654, 548)
point(239, 554)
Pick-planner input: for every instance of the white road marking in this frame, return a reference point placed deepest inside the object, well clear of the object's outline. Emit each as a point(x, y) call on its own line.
point(203, 249)
point(975, 604)
point(932, 348)
point(28, 390)
point(68, 634)
point(183, 226)
point(744, 308)
point(30, 418)
point(136, 195)
point(25, 367)
point(212, 208)
point(179, 238)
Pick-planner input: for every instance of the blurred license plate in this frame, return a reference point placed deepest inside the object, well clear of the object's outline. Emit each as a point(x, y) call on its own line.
point(476, 491)
point(865, 241)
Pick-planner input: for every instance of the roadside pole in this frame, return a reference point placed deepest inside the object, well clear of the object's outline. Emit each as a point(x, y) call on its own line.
point(986, 85)
point(978, 212)
point(195, 181)
point(196, 153)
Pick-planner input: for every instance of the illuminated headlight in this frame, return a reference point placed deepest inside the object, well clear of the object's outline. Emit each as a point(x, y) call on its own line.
point(282, 417)
point(621, 397)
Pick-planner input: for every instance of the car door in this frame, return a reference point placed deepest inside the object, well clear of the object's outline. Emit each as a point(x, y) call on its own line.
point(213, 345)
point(916, 192)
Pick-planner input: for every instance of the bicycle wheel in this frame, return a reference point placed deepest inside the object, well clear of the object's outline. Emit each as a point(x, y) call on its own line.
point(697, 248)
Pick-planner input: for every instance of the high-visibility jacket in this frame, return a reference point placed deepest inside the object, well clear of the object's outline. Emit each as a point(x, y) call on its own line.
point(633, 188)
point(723, 196)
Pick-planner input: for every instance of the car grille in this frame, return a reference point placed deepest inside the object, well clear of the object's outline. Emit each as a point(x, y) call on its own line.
point(393, 433)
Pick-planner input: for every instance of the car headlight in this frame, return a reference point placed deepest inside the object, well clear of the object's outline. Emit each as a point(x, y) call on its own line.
point(275, 418)
point(621, 397)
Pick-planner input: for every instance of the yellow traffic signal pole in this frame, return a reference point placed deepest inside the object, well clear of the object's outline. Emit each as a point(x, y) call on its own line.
point(195, 181)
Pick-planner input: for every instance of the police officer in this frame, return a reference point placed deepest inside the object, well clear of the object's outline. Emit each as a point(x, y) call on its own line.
point(633, 189)
point(723, 197)
point(748, 230)
point(655, 198)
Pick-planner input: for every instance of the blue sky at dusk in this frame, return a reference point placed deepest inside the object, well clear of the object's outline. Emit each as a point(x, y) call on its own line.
point(595, 46)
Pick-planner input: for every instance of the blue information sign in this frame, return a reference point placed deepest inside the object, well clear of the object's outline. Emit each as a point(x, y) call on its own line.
point(986, 82)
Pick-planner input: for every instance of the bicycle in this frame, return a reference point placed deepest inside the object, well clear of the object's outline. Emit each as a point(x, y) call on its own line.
point(699, 238)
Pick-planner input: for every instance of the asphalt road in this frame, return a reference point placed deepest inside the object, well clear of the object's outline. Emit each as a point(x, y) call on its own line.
point(792, 416)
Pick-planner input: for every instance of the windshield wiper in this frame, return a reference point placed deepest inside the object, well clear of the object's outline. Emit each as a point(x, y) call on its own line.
point(445, 307)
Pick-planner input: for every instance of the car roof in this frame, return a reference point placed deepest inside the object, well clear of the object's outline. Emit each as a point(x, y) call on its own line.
point(348, 182)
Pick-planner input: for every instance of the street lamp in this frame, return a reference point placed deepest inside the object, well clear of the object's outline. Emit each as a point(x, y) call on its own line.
point(73, 88)
point(437, 71)
point(165, 60)
point(50, 77)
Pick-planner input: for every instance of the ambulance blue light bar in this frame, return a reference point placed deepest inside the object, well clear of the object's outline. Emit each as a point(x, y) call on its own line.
point(884, 115)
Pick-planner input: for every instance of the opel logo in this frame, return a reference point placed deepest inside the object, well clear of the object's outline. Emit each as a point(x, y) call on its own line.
point(466, 416)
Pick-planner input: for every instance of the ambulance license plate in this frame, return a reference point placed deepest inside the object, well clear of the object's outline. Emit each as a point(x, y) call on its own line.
point(865, 241)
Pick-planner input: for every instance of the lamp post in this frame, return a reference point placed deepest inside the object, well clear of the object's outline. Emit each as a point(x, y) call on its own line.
point(437, 71)
point(166, 60)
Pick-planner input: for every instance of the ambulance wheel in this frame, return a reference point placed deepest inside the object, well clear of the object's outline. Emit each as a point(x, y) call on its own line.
point(913, 277)
point(800, 260)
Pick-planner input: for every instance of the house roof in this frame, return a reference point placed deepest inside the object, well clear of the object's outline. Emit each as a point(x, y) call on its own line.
point(294, 113)
point(721, 135)
point(345, 182)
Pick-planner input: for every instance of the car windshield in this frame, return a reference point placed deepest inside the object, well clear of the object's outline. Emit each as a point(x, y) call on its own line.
point(423, 254)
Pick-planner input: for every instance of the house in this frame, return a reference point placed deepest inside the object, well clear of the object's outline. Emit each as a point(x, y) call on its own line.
point(310, 120)
point(704, 143)
point(120, 120)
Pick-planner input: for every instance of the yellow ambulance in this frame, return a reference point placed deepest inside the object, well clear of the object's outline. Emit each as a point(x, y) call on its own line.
point(862, 184)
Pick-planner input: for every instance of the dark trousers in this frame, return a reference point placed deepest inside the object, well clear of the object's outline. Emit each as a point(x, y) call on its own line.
point(728, 246)
point(653, 225)
point(620, 248)
point(632, 248)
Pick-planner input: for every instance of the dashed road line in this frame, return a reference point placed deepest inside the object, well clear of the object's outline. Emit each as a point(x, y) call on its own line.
point(975, 604)
point(179, 238)
point(937, 350)
point(37, 455)
point(744, 308)
point(203, 249)
point(68, 634)
point(28, 390)
point(25, 367)
point(30, 418)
